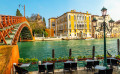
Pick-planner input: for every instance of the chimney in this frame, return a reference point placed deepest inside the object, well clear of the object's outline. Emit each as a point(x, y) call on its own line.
point(87, 12)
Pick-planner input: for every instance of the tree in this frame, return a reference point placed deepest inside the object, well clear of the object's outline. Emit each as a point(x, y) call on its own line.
point(18, 13)
point(44, 20)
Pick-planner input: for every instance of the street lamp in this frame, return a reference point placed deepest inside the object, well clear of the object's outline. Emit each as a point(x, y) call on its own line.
point(104, 12)
point(23, 7)
point(111, 24)
point(94, 25)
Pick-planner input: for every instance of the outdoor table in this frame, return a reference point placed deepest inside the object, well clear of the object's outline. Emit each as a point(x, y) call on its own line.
point(90, 60)
point(47, 63)
point(25, 65)
point(69, 62)
point(111, 62)
point(100, 67)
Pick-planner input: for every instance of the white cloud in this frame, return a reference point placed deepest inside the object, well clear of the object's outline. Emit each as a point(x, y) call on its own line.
point(113, 7)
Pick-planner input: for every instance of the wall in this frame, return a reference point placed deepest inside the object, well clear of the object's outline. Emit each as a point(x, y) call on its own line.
point(13, 58)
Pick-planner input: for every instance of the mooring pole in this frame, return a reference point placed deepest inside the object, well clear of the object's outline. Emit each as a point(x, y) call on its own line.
point(93, 52)
point(118, 45)
point(70, 53)
point(53, 54)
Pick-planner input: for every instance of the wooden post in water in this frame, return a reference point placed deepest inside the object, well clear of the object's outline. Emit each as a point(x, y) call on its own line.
point(118, 45)
point(70, 53)
point(93, 52)
point(53, 54)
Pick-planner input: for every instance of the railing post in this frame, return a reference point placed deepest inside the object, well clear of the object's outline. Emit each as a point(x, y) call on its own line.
point(70, 53)
point(118, 45)
point(93, 52)
point(53, 53)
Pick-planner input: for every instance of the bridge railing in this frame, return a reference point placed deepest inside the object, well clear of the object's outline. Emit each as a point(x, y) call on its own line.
point(6, 20)
point(7, 23)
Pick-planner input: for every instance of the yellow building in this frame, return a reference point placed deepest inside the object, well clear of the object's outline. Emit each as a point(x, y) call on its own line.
point(52, 26)
point(72, 25)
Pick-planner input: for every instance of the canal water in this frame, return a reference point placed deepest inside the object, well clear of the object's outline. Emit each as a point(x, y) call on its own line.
point(43, 49)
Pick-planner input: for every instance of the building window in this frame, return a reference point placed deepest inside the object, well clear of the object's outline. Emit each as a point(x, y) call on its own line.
point(89, 18)
point(70, 34)
point(69, 17)
point(53, 23)
point(75, 30)
point(70, 31)
point(75, 34)
point(85, 17)
point(74, 17)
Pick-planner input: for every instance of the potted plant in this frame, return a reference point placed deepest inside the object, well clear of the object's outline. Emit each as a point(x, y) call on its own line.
point(60, 59)
point(27, 60)
point(89, 57)
point(34, 60)
point(21, 61)
point(117, 56)
point(71, 58)
point(49, 59)
point(44, 60)
point(84, 57)
point(79, 58)
point(64, 59)
point(54, 59)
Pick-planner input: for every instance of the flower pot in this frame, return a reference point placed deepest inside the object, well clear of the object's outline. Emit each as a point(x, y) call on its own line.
point(34, 62)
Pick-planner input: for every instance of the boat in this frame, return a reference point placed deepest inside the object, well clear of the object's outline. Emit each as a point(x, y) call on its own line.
point(89, 39)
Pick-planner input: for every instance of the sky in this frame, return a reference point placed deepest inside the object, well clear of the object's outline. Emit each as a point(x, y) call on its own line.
point(54, 8)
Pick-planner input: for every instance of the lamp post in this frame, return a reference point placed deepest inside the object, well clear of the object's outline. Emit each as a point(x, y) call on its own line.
point(111, 24)
point(104, 12)
point(23, 7)
point(94, 25)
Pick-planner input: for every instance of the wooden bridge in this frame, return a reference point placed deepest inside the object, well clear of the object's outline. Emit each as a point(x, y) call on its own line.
point(13, 28)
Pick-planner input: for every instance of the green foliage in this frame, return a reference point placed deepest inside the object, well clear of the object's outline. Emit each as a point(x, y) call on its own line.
point(21, 60)
point(18, 13)
point(84, 57)
point(70, 57)
point(117, 56)
point(79, 57)
point(64, 58)
point(44, 20)
point(27, 60)
point(49, 59)
point(34, 59)
point(54, 59)
point(89, 56)
point(44, 60)
point(60, 58)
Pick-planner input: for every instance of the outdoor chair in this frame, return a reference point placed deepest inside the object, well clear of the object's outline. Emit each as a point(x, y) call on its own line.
point(89, 65)
point(109, 71)
point(95, 63)
point(101, 72)
point(66, 67)
point(74, 66)
point(114, 62)
point(20, 70)
point(108, 61)
point(41, 68)
point(50, 68)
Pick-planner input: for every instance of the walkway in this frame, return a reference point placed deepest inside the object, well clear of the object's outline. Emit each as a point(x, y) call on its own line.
point(80, 71)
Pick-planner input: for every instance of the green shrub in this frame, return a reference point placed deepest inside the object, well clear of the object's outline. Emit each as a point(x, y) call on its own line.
point(21, 60)
point(34, 59)
point(49, 59)
point(60, 58)
point(27, 60)
point(79, 57)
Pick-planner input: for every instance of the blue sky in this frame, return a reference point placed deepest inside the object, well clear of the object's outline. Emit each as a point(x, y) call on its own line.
point(54, 8)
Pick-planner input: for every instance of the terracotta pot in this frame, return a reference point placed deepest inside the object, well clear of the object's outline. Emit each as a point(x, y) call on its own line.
point(34, 62)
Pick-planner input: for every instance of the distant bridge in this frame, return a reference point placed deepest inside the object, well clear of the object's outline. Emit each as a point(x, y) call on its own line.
point(13, 28)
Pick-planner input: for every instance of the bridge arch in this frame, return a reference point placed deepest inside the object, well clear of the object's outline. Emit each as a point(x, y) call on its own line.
point(22, 30)
point(13, 27)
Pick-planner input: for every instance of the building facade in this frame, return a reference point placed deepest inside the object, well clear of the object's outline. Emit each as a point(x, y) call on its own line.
point(72, 25)
point(97, 31)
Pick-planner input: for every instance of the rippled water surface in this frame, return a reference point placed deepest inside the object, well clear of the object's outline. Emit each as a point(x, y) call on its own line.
point(43, 49)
